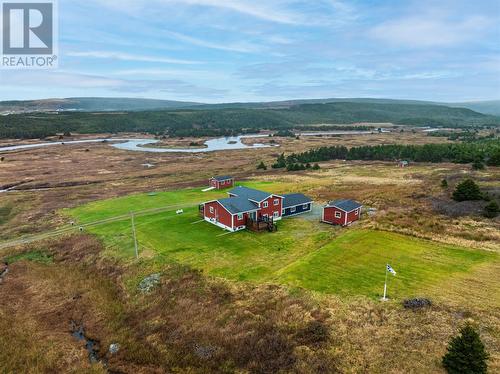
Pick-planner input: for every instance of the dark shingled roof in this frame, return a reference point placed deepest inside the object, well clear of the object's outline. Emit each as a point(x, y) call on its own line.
point(345, 204)
point(222, 178)
point(237, 205)
point(294, 199)
point(249, 193)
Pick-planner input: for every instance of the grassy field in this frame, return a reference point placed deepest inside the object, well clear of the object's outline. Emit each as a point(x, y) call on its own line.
point(303, 253)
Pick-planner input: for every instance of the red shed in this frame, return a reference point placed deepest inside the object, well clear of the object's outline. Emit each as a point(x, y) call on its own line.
point(222, 182)
point(341, 212)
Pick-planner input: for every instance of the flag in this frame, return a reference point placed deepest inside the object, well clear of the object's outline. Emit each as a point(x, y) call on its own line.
point(391, 270)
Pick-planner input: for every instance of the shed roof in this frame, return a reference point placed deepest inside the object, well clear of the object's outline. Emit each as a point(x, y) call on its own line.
point(249, 193)
point(222, 178)
point(344, 204)
point(294, 199)
point(237, 205)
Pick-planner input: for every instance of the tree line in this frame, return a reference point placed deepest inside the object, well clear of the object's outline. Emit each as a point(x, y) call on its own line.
point(487, 151)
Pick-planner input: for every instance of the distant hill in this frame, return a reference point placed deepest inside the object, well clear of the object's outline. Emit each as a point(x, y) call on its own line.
point(216, 120)
point(92, 104)
point(486, 107)
point(104, 104)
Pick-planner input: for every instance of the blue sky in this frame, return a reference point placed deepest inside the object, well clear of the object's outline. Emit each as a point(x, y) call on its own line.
point(253, 50)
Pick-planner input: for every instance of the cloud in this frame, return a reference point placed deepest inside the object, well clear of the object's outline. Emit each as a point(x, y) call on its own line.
point(423, 31)
point(129, 57)
point(67, 79)
point(243, 47)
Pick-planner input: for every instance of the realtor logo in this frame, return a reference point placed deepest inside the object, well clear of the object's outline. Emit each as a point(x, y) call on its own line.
point(29, 34)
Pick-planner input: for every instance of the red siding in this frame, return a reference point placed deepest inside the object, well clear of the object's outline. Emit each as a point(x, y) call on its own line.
point(271, 208)
point(219, 213)
point(240, 222)
point(221, 185)
point(329, 216)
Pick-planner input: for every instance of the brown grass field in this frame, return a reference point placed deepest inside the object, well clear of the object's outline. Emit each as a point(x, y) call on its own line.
point(193, 323)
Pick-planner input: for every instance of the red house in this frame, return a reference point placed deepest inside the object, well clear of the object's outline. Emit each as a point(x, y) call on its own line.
point(221, 183)
point(341, 212)
point(244, 205)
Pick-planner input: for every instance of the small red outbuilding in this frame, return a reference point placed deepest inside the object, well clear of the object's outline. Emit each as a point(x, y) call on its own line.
point(341, 212)
point(221, 183)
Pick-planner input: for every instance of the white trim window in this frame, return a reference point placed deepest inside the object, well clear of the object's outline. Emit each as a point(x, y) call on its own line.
point(338, 214)
point(265, 216)
point(305, 206)
point(356, 212)
point(212, 209)
point(265, 204)
point(276, 214)
point(240, 217)
point(276, 202)
point(293, 209)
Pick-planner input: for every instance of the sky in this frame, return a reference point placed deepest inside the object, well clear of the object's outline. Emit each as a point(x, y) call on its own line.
point(261, 50)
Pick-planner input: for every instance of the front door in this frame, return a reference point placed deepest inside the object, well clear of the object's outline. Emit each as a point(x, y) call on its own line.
point(253, 216)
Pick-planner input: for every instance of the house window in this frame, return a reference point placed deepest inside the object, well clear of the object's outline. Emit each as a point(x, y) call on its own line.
point(292, 209)
point(265, 217)
point(305, 206)
point(338, 215)
point(240, 217)
point(356, 212)
point(276, 214)
point(276, 202)
point(211, 209)
point(265, 204)
point(283, 212)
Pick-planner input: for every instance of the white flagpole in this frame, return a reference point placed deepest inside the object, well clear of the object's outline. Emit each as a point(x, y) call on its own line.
point(385, 285)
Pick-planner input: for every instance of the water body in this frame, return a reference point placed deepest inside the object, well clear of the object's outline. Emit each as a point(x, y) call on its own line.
point(218, 144)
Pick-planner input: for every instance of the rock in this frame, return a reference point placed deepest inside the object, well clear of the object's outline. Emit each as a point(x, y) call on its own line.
point(114, 348)
point(204, 352)
point(147, 284)
point(417, 303)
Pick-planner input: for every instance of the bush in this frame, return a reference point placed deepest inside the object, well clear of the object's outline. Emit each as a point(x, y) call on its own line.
point(477, 165)
point(316, 166)
point(262, 166)
point(466, 353)
point(444, 183)
point(313, 333)
point(492, 209)
point(467, 190)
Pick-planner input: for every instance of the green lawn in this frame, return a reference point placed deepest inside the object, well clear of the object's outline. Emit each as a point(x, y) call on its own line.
point(302, 253)
point(103, 209)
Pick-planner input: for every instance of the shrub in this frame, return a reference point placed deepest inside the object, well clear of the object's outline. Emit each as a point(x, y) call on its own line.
point(478, 165)
point(444, 183)
point(492, 209)
point(466, 353)
point(262, 166)
point(316, 166)
point(313, 333)
point(467, 190)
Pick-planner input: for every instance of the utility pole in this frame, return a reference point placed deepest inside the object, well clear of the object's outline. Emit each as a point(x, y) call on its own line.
point(134, 234)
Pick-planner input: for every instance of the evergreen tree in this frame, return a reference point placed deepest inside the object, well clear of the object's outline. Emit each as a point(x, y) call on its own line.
point(467, 190)
point(444, 183)
point(262, 166)
point(466, 353)
point(492, 209)
point(477, 165)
